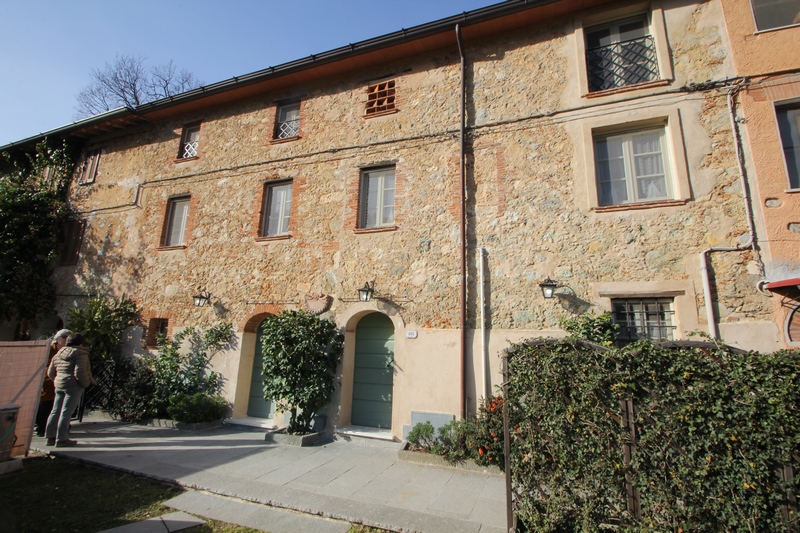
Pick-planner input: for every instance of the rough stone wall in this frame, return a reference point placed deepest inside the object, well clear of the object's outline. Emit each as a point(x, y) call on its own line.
point(526, 205)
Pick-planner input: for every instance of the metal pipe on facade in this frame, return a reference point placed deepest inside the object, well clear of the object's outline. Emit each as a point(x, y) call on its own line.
point(713, 330)
point(463, 221)
point(487, 389)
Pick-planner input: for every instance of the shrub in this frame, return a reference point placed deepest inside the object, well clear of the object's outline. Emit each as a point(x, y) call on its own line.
point(134, 392)
point(102, 324)
point(695, 434)
point(147, 384)
point(485, 440)
point(197, 408)
point(422, 437)
point(301, 352)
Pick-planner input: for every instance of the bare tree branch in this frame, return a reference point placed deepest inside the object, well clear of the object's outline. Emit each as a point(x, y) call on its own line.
point(127, 82)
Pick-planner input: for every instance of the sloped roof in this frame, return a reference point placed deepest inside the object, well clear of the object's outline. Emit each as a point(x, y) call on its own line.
point(497, 18)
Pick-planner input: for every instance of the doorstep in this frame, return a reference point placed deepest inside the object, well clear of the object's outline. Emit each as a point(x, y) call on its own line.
point(251, 422)
point(368, 436)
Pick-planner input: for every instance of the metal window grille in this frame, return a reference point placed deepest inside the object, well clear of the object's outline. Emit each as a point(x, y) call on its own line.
point(622, 63)
point(380, 97)
point(644, 318)
point(190, 142)
point(288, 128)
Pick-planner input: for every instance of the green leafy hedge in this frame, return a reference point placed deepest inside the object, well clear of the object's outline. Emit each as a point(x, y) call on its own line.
point(710, 434)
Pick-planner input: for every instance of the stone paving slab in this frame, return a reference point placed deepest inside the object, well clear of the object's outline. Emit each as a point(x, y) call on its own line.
point(341, 481)
point(163, 524)
point(252, 515)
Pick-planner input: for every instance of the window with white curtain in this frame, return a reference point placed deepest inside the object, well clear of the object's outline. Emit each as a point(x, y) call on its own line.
point(277, 208)
point(177, 219)
point(632, 167)
point(377, 198)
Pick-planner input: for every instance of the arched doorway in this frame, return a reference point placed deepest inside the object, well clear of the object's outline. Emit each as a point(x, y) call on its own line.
point(373, 376)
point(257, 406)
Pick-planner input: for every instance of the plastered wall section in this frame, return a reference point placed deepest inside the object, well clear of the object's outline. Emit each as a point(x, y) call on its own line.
point(22, 368)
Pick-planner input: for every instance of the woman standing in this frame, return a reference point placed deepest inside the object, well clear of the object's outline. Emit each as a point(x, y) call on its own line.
point(71, 371)
point(48, 394)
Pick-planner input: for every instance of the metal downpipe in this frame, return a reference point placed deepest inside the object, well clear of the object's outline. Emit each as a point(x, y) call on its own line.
point(463, 222)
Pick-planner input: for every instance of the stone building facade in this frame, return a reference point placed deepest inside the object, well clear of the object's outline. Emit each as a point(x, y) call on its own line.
point(613, 181)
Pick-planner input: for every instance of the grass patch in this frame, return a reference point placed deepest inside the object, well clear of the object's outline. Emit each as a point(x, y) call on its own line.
point(54, 495)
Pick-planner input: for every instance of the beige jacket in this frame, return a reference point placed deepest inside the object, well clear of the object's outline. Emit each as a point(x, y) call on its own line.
point(71, 368)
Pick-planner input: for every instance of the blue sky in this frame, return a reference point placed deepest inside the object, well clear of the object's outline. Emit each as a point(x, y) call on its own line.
point(48, 47)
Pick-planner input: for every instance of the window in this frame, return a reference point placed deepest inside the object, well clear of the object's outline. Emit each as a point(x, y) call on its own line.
point(789, 126)
point(177, 218)
point(631, 167)
point(155, 328)
point(643, 318)
point(86, 171)
point(276, 210)
point(619, 54)
point(376, 207)
point(73, 237)
point(287, 122)
point(380, 98)
point(771, 14)
point(190, 140)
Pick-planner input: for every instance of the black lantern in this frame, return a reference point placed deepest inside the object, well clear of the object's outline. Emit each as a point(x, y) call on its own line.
point(365, 293)
point(201, 299)
point(548, 287)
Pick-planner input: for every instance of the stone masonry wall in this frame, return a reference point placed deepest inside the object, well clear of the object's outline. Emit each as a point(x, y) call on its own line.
point(527, 203)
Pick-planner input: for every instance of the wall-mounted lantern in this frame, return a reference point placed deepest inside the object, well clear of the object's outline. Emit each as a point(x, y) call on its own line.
point(548, 287)
point(365, 293)
point(202, 299)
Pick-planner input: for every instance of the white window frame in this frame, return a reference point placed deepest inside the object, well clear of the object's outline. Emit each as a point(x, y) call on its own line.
point(792, 173)
point(627, 171)
point(375, 209)
point(599, 16)
point(177, 221)
point(283, 116)
point(769, 6)
point(639, 118)
point(190, 142)
point(278, 202)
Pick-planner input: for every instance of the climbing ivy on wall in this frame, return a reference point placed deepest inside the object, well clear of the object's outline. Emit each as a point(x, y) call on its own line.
point(32, 213)
point(651, 438)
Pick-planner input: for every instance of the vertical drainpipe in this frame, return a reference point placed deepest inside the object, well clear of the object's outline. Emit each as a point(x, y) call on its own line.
point(463, 223)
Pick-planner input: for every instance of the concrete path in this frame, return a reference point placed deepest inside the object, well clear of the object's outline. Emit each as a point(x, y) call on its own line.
point(320, 488)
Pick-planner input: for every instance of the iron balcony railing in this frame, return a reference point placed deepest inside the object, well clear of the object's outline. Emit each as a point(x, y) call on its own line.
point(621, 64)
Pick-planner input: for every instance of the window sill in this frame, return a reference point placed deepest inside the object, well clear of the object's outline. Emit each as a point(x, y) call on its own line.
point(186, 159)
point(381, 113)
point(626, 88)
point(169, 248)
point(792, 191)
point(639, 205)
point(381, 229)
point(285, 140)
point(283, 237)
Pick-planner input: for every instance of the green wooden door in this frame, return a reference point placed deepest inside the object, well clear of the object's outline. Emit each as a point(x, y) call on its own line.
point(257, 406)
point(374, 372)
